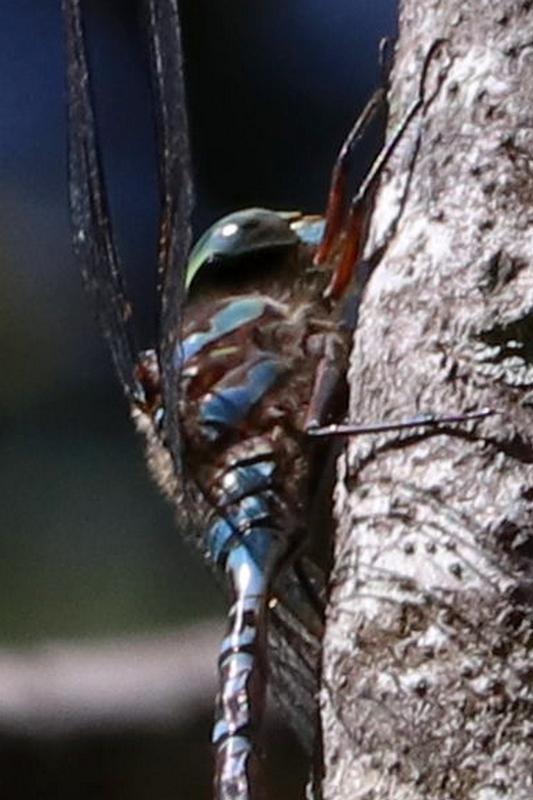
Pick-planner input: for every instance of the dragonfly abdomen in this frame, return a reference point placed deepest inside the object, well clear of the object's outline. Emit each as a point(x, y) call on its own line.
point(248, 542)
point(249, 555)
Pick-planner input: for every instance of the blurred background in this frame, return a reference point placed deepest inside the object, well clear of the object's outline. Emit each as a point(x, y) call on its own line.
point(90, 557)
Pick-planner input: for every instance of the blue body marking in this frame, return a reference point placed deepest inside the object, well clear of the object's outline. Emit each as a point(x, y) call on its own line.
point(246, 539)
point(225, 538)
point(310, 231)
point(242, 481)
point(229, 406)
point(220, 537)
point(231, 317)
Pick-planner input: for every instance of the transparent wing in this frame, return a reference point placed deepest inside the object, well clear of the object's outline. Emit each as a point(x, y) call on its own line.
point(177, 199)
point(294, 638)
point(92, 234)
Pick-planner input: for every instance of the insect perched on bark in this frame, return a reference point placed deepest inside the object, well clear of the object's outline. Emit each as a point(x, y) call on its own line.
point(254, 329)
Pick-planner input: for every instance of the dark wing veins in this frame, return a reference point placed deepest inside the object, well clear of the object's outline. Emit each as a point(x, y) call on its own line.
point(176, 200)
point(92, 234)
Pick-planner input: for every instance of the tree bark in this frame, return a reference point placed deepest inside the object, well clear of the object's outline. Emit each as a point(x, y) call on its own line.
point(427, 689)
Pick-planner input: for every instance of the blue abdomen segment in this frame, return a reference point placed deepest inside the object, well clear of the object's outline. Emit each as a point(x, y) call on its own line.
point(247, 529)
point(224, 540)
point(227, 406)
point(249, 560)
point(247, 479)
point(245, 521)
point(246, 543)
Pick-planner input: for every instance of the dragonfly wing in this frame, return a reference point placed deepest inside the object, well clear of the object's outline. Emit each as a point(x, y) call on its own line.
point(92, 234)
point(294, 672)
point(176, 199)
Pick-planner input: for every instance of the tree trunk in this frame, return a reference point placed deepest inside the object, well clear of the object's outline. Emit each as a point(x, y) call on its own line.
point(427, 657)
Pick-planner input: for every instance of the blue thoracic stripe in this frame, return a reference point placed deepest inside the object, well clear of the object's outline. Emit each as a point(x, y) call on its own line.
point(234, 314)
point(228, 406)
point(258, 550)
point(310, 231)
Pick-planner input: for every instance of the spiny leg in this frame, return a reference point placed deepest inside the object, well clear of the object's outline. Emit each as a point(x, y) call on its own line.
point(353, 234)
point(422, 421)
point(337, 196)
point(331, 369)
point(328, 382)
point(329, 379)
point(335, 214)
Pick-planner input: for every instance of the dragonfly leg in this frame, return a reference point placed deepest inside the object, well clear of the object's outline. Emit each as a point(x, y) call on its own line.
point(351, 229)
point(330, 381)
point(422, 421)
point(338, 192)
point(328, 384)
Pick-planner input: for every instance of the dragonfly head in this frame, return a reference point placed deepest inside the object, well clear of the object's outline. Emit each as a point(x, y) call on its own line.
point(251, 232)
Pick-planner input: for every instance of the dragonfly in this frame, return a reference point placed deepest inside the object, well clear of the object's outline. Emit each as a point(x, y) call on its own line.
point(162, 388)
point(255, 324)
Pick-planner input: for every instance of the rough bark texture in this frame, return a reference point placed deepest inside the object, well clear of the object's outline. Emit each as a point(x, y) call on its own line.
point(427, 665)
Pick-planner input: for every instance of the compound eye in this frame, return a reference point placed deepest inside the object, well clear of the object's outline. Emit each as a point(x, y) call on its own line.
point(244, 233)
